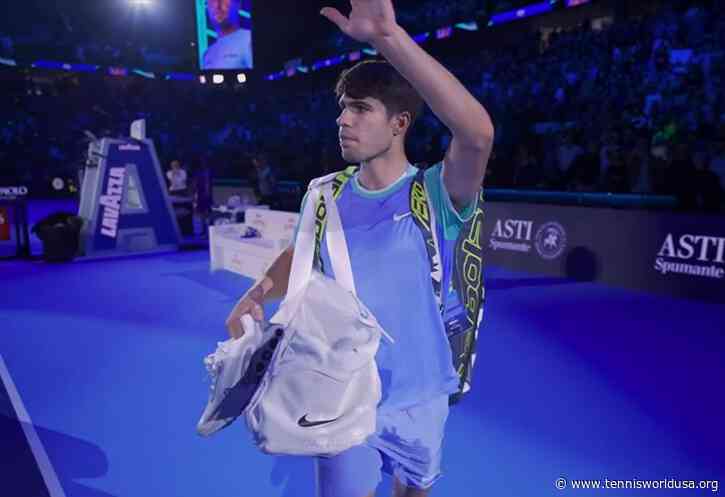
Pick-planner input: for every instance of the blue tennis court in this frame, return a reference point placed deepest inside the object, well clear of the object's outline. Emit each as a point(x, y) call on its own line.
point(573, 380)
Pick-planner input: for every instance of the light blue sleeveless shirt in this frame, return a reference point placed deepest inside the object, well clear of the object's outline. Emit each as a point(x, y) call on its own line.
point(392, 277)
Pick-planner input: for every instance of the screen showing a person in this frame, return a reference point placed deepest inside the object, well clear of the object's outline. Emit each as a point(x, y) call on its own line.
point(224, 32)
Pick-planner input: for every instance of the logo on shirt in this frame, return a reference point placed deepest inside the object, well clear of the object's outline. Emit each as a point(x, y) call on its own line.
point(305, 423)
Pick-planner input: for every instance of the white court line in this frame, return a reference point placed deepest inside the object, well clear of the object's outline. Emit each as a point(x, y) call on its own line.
point(41, 457)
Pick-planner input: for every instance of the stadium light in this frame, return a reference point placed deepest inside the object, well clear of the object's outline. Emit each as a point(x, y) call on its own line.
point(241, 77)
point(217, 79)
point(202, 79)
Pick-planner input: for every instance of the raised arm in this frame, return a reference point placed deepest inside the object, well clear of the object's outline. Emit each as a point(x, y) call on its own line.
point(373, 22)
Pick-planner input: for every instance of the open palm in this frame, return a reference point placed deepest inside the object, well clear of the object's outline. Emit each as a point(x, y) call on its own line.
point(369, 19)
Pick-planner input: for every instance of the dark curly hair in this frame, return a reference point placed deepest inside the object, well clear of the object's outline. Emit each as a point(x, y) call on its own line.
point(379, 79)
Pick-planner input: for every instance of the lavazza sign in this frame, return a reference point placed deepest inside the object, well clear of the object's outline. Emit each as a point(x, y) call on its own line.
point(694, 255)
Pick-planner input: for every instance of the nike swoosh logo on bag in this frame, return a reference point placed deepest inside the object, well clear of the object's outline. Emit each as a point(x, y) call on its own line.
point(400, 217)
point(304, 423)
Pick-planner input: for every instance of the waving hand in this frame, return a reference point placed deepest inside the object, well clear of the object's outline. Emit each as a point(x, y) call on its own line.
point(369, 20)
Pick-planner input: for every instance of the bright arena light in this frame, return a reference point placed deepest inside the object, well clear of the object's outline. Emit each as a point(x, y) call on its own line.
point(242, 78)
point(218, 79)
point(202, 79)
point(141, 3)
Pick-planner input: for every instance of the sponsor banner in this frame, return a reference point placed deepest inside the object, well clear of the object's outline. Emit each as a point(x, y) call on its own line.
point(125, 200)
point(13, 191)
point(110, 202)
point(682, 255)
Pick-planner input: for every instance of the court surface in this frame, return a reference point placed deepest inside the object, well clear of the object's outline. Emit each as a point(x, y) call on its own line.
point(573, 380)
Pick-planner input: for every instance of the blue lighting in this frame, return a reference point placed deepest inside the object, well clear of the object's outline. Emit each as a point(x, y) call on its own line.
point(468, 26)
point(64, 66)
point(180, 76)
point(145, 74)
point(421, 37)
point(275, 76)
point(444, 32)
point(523, 12)
point(117, 71)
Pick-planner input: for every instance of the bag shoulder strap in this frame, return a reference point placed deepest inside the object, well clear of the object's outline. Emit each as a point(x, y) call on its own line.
point(424, 218)
point(336, 243)
point(469, 285)
point(467, 278)
point(339, 180)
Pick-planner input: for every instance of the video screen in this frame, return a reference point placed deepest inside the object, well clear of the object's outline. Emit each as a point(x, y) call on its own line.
point(224, 34)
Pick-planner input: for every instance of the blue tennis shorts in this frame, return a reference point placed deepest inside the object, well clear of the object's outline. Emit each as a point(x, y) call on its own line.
point(407, 445)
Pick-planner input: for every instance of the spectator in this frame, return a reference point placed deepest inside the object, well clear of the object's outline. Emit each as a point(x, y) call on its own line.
point(202, 183)
point(616, 179)
point(266, 180)
point(177, 179)
point(584, 173)
point(682, 179)
point(527, 171)
point(567, 152)
point(717, 163)
point(638, 168)
point(709, 191)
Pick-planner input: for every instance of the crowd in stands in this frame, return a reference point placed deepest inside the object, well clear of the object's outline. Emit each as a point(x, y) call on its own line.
point(635, 106)
point(38, 31)
point(419, 17)
point(65, 47)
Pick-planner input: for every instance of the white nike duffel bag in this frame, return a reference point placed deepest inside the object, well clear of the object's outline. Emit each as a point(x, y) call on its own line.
point(308, 384)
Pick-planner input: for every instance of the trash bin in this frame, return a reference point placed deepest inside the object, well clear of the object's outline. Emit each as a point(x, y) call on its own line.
point(60, 234)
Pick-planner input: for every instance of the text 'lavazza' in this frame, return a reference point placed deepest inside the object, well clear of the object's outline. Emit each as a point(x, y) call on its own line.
point(111, 202)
